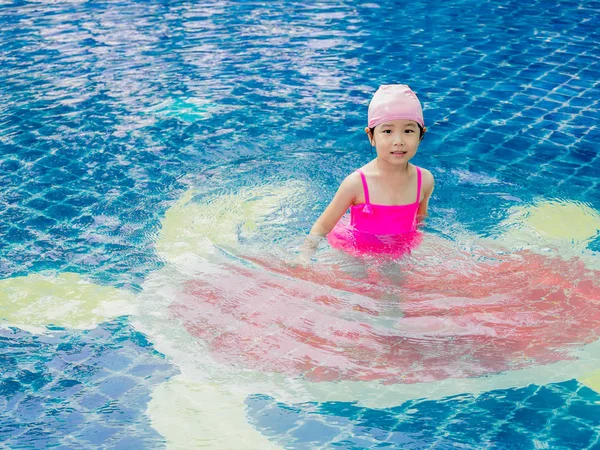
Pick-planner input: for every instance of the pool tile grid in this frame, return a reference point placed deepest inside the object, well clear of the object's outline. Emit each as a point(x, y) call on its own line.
point(559, 118)
point(558, 102)
point(525, 414)
point(560, 416)
point(79, 389)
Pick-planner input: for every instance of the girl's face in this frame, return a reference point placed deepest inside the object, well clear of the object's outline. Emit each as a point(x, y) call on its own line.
point(396, 141)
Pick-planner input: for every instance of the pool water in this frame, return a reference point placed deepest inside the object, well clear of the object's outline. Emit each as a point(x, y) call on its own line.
point(161, 161)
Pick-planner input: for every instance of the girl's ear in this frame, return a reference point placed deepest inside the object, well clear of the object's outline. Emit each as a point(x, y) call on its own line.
point(370, 136)
point(423, 133)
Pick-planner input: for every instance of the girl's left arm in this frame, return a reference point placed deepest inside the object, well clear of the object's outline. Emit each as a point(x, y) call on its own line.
point(428, 185)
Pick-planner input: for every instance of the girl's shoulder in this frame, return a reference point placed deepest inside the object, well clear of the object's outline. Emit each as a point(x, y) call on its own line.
point(425, 173)
point(353, 181)
point(350, 189)
point(426, 179)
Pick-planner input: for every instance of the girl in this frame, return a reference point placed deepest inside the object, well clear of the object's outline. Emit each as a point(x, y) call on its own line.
point(388, 196)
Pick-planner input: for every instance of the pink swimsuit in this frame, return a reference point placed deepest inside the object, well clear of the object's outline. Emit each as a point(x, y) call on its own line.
point(381, 229)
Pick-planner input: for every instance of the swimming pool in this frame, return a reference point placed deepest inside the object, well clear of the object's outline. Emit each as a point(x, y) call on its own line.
point(160, 158)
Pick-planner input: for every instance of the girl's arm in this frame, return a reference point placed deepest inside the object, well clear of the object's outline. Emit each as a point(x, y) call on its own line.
point(428, 185)
point(343, 199)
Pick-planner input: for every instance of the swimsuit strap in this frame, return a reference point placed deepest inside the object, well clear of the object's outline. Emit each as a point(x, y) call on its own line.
point(418, 184)
point(365, 187)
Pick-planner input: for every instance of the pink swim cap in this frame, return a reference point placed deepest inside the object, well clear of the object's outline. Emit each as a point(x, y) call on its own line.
point(394, 102)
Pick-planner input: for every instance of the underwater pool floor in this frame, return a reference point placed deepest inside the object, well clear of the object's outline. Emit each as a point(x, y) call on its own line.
point(159, 160)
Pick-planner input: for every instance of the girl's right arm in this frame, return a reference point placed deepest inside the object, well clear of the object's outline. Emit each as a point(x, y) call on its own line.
point(343, 199)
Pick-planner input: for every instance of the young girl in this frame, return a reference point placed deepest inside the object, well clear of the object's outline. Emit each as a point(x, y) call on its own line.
point(388, 196)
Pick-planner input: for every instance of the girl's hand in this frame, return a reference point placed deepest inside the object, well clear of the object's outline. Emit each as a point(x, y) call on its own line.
point(308, 249)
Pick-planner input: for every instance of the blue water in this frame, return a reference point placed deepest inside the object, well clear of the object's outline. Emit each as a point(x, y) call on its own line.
point(563, 415)
point(109, 111)
point(79, 390)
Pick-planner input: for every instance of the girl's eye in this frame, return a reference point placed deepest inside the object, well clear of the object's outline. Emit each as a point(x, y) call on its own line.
point(386, 131)
point(409, 131)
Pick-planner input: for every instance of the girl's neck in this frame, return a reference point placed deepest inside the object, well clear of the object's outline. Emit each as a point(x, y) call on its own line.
point(386, 169)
